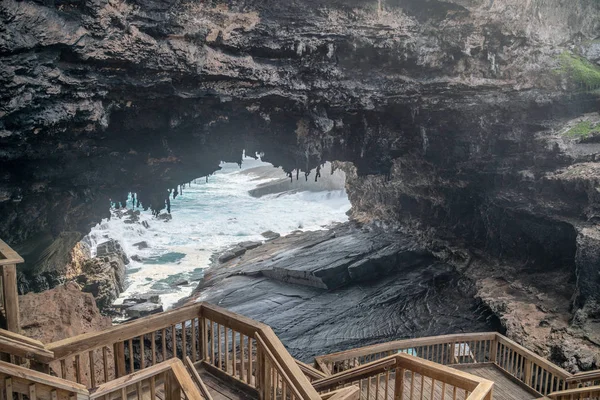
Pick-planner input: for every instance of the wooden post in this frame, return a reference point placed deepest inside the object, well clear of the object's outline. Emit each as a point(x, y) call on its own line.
point(494, 351)
point(119, 358)
point(268, 383)
point(399, 384)
point(528, 372)
point(204, 339)
point(174, 392)
point(11, 298)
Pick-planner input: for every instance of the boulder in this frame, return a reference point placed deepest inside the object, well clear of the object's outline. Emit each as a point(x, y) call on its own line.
point(144, 298)
point(143, 309)
point(141, 245)
point(249, 245)
point(164, 217)
point(61, 313)
point(270, 235)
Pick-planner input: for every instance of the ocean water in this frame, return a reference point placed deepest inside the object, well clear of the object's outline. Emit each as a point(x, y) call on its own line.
point(210, 217)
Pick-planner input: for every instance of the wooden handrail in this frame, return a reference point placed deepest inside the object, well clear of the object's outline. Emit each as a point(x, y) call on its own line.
point(532, 356)
point(131, 379)
point(405, 343)
point(194, 373)
point(310, 371)
point(89, 341)
point(584, 376)
point(8, 256)
point(483, 391)
point(572, 393)
point(41, 378)
point(443, 373)
point(273, 360)
point(15, 345)
point(185, 381)
point(347, 393)
point(354, 374)
point(271, 342)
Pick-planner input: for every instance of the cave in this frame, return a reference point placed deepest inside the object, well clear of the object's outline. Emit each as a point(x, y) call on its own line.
point(463, 124)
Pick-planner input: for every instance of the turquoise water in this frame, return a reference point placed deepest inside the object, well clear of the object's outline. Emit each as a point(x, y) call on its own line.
point(209, 217)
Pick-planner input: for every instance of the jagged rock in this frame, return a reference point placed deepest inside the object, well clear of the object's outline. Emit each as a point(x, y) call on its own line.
point(270, 235)
point(144, 298)
point(112, 247)
point(143, 309)
point(137, 258)
point(62, 313)
point(182, 282)
point(164, 217)
point(141, 245)
point(249, 245)
point(104, 275)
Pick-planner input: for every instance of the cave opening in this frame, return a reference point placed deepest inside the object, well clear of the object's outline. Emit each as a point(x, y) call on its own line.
point(215, 217)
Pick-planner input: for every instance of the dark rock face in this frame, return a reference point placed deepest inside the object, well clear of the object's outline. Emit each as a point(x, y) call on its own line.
point(329, 291)
point(458, 116)
point(104, 97)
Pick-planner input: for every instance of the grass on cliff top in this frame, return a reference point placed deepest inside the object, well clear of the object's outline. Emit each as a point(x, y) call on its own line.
point(582, 130)
point(582, 72)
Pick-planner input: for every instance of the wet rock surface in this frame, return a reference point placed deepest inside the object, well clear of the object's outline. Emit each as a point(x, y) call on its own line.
point(407, 293)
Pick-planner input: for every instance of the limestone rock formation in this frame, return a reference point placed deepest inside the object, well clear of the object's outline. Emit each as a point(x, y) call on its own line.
point(104, 275)
point(470, 124)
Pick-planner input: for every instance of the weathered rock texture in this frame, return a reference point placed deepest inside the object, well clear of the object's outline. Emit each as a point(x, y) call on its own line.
point(347, 287)
point(104, 275)
point(62, 313)
point(456, 115)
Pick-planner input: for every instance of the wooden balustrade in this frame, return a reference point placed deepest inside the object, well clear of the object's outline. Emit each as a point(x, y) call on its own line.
point(582, 393)
point(34, 385)
point(584, 379)
point(169, 380)
point(96, 358)
point(445, 350)
point(403, 376)
point(531, 369)
point(524, 365)
point(250, 353)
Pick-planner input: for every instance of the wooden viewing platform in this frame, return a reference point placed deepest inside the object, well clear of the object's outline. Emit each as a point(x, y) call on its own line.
point(204, 352)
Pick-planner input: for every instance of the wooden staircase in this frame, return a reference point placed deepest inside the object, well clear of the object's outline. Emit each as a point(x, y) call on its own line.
point(204, 352)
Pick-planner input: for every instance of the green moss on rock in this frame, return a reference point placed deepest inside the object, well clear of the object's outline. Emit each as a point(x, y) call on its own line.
point(582, 72)
point(582, 130)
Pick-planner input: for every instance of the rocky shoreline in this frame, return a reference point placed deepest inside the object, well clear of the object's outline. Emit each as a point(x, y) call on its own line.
point(356, 285)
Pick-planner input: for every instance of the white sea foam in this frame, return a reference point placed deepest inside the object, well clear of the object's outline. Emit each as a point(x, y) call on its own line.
point(209, 217)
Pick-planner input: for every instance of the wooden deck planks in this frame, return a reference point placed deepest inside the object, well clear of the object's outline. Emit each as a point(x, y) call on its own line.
point(221, 390)
point(505, 388)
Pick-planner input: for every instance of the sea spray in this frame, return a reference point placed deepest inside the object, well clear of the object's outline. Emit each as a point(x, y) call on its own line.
point(208, 217)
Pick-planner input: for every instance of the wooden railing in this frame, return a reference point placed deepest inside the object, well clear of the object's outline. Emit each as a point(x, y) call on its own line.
point(403, 376)
point(34, 385)
point(9, 302)
point(96, 358)
point(524, 365)
point(227, 344)
point(169, 377)
point(583, 393)
point(445, 350)
point(251, 354)
point(531, 369)
point(584, 379)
